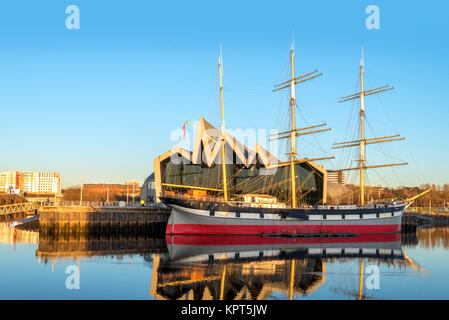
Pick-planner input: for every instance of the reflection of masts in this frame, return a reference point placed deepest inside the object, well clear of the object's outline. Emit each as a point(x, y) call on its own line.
point(154, 275)
point(222, 285)
point(293, 133)
point(363, 142)
point(223, 139)
point(292, 279)
point(361, 280)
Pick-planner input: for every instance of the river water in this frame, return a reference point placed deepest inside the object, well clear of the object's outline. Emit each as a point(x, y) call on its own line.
point(407, 266)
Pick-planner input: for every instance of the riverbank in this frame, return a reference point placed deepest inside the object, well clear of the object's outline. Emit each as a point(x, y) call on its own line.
point(413, 220)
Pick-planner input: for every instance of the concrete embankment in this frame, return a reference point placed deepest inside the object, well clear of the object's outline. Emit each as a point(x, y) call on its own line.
point(83, 215)
point(100, 220)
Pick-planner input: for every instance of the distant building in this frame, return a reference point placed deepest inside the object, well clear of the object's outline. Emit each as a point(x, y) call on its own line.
point(336, 177)
point(47, 182)
point(148, 190)
point(103, 192)
point(126, 189)
point(9, 181)
point(30, 182)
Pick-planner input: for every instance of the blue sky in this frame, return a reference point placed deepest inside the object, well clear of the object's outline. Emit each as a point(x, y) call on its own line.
point(100, 102)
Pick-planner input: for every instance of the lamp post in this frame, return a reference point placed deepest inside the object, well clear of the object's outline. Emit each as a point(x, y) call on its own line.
point(81, 192)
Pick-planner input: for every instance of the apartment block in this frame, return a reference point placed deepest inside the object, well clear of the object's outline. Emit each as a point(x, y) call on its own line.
point(30, 182)
point(336, 177)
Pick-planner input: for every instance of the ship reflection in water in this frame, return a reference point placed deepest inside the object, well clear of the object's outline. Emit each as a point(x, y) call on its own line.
point(251, 267)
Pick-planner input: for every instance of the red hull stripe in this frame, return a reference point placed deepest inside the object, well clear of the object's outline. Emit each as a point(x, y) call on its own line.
point(210, 240)
point(259, 229)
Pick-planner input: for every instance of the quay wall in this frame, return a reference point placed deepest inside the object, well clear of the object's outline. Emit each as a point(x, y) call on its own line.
point(81, 215)
point(412, 220)
point(83, 221)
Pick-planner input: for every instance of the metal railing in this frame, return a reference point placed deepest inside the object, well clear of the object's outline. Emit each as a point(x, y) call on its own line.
point(111, 204)
point(18, 207)
point(34, 205)
point(428, 210)
point(235, 202)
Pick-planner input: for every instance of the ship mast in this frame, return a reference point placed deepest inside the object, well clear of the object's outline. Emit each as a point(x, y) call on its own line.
point(294, 132)
point(223, 139)
point(362, 134)
point(362, 142)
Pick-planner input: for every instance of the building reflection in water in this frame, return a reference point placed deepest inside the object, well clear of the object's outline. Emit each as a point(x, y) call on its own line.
point(78, 242)
point(11, 235)
point(250, 267)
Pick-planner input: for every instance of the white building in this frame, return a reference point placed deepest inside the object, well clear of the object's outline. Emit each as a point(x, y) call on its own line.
point(336, 177)
point(47, 182)
point(30, 182)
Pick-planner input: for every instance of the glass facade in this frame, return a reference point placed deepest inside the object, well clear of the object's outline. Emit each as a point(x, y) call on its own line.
point(242, 180)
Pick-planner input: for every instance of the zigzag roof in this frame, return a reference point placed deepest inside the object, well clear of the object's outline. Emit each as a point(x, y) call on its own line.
point(209, 140)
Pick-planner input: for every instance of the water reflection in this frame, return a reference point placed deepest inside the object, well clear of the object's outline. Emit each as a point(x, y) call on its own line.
point(10, 234)
point(433, 237)
point(237, 267)
point(250, 267)
point(79, 245)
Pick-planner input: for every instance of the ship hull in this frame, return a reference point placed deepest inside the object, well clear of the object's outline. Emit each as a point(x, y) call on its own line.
point(192, 217)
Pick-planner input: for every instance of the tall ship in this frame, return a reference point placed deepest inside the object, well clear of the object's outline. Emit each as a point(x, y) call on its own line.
point(272, 197)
